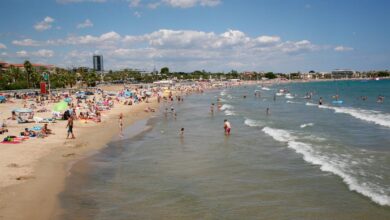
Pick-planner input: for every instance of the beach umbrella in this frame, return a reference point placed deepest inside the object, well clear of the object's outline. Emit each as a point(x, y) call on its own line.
point(68, 99)
point(61, 106)
point(128, 93)
point(23, 110)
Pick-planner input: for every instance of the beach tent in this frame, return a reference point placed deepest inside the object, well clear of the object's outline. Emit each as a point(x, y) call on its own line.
point(61, 106)
point(23, 113)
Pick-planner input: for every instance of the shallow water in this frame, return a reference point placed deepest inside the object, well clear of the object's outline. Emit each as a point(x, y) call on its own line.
point(300, 162)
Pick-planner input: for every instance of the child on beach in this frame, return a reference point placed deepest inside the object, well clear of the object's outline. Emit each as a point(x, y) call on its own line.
point(227, 127)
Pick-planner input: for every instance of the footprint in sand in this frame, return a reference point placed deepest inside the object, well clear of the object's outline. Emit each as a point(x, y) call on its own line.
point(25, 177)
point(69, 155)
point(13, 165)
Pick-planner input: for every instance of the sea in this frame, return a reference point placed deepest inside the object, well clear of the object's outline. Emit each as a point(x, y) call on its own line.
point(302, 160)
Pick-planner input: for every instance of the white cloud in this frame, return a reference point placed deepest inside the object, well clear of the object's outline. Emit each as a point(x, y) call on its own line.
point(26, 42)
point(2, 46)
point(137, 14)
point(134, 3)
point(21, 53)
point(191, 3)
point(342, 48)
point(267, 39)
point(184, 50)
point(154, 5)
point(46, 24)
point(43, 53)
point(87, 23)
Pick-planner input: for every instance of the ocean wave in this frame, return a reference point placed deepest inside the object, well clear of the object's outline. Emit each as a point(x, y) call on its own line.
point(229, 112)
point(292, 102)
point(306, 125)
point(376, 117)
point(253, 123)
point(226, 106)
point(265, 88)
point(289, 96)
point(339, 165)
point(310, 104)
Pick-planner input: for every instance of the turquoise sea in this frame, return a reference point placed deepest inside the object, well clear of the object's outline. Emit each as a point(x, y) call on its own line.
point(300, 161)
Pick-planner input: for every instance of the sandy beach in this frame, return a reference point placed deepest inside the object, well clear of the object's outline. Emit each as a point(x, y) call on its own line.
point(32, 173)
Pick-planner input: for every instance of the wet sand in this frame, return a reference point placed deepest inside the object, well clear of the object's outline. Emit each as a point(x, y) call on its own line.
point(36, 196)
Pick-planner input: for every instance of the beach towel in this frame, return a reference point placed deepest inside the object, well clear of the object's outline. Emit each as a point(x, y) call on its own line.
point(10, 142)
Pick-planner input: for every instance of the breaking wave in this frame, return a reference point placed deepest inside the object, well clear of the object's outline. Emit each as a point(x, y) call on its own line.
point(342, 165)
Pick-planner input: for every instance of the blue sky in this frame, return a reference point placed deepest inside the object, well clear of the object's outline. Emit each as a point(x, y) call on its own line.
point(186, 35)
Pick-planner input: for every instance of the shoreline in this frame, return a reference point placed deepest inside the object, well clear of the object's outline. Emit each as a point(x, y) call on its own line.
point(26, 199)
point(41, 189)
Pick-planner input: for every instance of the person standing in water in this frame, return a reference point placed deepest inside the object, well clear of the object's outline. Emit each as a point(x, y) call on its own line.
point(267, 111)
point(227, 127)
point(320, 102)
point(212, 108)
point(181, 132)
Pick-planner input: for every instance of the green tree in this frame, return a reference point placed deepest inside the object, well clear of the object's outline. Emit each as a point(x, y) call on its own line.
point(270, 75)
point(164, 70)
point(28, 68)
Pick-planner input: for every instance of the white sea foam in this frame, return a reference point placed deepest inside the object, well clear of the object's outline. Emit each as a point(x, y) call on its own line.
point(289, 96)
point(279, 94)
point(229, 112)
point(253, 123)
point(265, 88)
point(228, 109)
point(306, 125)
point(292, 102)
point(310, 104)
point(229, 96)
point(333, 163)
point(223, 92)
point(376, 117)
point(226, 106)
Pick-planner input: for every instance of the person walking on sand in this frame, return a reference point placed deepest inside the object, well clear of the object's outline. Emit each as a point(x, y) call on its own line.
point(70, 128)
point(227, 127)
point(121, 122)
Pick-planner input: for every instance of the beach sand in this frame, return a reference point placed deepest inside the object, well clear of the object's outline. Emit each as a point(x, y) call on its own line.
point(33, 173)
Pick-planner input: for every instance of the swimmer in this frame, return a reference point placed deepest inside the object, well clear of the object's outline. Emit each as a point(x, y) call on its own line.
point(320, 102)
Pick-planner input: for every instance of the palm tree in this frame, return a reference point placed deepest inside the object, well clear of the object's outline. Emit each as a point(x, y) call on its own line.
point(29, 69)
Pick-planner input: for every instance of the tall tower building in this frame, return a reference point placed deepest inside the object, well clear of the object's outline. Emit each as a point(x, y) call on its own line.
point(98, 63)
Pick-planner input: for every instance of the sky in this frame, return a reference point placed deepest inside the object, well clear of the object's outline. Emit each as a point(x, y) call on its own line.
point(188, 35)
